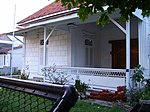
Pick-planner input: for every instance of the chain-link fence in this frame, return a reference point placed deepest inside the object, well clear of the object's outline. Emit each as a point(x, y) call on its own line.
point(27, 96)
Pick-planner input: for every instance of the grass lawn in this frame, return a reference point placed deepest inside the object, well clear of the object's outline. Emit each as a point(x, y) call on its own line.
point(82, 106)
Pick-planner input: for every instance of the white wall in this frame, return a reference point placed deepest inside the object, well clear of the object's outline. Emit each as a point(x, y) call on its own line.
point(144, 43)
point(77, 43)
point(57, 50)
point(18, 58)
point(32, 51)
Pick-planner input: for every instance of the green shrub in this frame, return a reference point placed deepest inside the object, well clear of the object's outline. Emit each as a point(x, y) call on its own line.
point(17, 72)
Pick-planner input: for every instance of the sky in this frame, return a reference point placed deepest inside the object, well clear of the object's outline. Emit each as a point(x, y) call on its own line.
point(24, 8)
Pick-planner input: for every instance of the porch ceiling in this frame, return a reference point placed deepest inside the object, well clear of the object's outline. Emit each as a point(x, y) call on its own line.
point(61, 21)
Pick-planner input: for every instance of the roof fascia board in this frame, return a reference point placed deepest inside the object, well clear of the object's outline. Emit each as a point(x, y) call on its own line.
point(62, 20)
point(57, 20)
point(52, 22)
point(50, 15)
point(20, 32)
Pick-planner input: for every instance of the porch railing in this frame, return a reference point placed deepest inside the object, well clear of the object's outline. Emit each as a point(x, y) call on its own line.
point(96, 78)
point(27, 96)
point(94, 71)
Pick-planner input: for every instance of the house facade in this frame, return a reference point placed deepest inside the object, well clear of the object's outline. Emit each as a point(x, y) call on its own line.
point(6, 64)
point(55, 35)
point(5, 45)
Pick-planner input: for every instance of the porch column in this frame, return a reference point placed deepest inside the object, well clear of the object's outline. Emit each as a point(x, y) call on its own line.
point(24, 48)
point(128, 54)
point(127, 33)
point(45, 41)
point(44, 48)
point(72, 45)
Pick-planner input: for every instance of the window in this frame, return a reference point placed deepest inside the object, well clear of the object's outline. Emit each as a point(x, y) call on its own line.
point(42, 42)
point(1, 61)
point(88, 52)
point(88, 42)
point(7, 60)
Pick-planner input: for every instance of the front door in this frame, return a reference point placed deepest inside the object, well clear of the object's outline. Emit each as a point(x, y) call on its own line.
point(119, 53)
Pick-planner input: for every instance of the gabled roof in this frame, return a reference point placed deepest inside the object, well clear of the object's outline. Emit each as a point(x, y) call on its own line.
point(4, 37)
point(5, 43)
point(4, 49)
point(49, 10)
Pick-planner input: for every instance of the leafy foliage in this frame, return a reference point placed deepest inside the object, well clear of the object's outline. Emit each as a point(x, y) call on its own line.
point(147, 81)
point(138, 74)
point(81, 88)
point(17, 72)
point(55, 76)
point(137, 94)
point(125, 8)
point(145, 93)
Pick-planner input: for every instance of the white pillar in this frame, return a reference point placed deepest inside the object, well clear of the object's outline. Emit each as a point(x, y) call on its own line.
point(128, 54)
point(72, 46)
point(44, 51)
point(127, 33)
point(44, 48)
point(24, 48)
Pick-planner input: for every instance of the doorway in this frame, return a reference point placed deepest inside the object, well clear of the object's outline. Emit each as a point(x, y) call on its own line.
point(119, 53)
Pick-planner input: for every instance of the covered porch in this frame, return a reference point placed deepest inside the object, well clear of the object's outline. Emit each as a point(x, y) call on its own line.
point(89, 49)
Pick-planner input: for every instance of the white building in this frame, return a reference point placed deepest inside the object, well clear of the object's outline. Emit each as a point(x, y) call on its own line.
point(56, 35)
point(5, 45)
point(6, 53)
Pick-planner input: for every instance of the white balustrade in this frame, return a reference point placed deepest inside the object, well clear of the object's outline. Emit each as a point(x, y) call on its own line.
point(96, 78)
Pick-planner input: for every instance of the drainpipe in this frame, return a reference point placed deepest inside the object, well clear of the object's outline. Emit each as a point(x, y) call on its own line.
point(128, 54)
